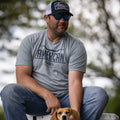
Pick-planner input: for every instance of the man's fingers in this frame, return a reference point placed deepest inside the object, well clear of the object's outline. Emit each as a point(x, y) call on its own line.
point(52, 111)
point(48, 110)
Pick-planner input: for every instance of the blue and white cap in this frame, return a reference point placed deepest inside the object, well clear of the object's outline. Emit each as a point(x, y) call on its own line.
point(57, 6)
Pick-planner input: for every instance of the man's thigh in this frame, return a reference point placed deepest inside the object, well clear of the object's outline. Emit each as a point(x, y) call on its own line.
point(24, 99)
point(34, 104)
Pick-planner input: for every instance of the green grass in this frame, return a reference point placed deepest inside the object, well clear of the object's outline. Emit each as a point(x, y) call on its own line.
point(2, 116)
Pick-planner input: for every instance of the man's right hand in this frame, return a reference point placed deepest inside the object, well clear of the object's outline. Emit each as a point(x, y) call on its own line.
point(52, 103)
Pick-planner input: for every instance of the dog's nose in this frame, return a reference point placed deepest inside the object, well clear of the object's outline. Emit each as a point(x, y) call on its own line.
point(64, 117)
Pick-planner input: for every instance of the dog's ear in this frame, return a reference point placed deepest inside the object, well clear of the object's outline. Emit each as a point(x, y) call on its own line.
point(54, 116)
point(75, 114)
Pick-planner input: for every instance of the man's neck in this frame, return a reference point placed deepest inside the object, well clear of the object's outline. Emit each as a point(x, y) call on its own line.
point(54, 37)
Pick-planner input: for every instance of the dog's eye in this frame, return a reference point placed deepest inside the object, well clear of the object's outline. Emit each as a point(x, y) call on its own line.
point(59, 113)
point(67, 112)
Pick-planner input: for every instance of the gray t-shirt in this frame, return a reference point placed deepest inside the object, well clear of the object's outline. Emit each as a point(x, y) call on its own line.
point(51, 61)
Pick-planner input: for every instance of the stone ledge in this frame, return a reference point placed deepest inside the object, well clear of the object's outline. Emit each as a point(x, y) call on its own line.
point(105, 116)
point(109, 116)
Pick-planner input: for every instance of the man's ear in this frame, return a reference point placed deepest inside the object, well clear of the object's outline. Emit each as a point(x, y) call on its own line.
point(54, 116)
point(46, 17)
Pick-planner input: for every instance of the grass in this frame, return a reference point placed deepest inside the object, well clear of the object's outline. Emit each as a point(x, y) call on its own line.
point(2, 116)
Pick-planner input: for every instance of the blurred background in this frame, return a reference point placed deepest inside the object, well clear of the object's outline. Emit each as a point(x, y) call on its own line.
point(95, 22)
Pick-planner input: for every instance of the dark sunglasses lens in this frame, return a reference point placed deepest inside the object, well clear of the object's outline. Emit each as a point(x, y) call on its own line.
point(66, 17)
point(58, 16)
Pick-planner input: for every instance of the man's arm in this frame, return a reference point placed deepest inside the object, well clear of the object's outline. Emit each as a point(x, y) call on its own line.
point(23, 75)
point(75, 89)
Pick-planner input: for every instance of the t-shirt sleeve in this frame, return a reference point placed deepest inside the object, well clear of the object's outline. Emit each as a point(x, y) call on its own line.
point(78, 57)
point(24, 56)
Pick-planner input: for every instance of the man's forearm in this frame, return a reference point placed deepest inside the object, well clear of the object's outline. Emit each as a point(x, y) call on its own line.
point(75, 95)
point(23, 74)
point(34, 86)
point(75, 89)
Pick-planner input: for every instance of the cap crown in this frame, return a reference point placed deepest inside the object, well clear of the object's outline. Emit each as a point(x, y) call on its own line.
point(57, 7)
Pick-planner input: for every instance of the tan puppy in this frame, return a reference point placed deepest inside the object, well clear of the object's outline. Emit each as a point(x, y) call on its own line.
point(64, 114)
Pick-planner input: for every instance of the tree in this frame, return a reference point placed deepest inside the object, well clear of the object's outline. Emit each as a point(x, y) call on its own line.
point(99, 22)
point(16, 13)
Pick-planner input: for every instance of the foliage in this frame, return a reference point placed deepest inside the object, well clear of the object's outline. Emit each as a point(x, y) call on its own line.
point(2, 116)
point(99, 23)
point(113, 105)
point(24, 13)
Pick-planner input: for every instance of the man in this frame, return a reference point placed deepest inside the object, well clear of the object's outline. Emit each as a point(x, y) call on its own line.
point(49, 69)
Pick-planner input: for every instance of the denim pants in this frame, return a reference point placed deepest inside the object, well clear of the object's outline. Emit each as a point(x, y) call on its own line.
point(18, 100)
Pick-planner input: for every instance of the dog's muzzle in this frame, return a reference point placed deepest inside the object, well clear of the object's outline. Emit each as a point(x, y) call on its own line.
point(64, 117)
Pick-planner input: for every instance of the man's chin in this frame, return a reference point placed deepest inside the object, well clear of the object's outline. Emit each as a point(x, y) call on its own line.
point(61, 31)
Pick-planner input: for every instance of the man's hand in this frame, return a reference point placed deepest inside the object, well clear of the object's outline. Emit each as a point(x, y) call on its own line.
point(75, 115)
point(52, 103)
point(71, 118)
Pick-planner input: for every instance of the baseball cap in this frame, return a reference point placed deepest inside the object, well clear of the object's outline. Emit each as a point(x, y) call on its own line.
point(57, 6)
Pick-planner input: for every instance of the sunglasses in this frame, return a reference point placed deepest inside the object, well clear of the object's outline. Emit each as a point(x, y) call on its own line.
point(58, 16)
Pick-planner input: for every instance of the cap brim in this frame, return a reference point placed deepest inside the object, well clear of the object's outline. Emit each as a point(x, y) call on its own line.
point(71, 14)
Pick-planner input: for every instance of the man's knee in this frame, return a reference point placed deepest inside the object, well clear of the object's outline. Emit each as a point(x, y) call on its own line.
point(96, 94)
point(101, 94)
point(8, 92)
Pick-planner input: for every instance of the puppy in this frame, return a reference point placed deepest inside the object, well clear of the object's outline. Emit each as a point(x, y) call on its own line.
point(64, 114)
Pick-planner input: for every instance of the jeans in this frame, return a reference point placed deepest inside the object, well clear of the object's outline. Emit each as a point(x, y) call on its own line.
point(18, 100)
